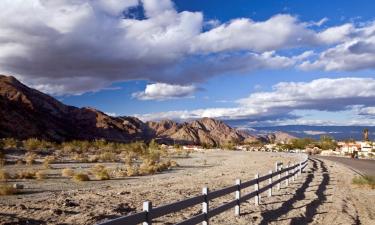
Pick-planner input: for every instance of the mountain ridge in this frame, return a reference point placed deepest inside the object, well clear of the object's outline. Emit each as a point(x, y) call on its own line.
point(26, 113)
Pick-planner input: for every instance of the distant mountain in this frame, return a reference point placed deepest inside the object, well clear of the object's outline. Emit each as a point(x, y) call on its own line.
point(338, 132)
point(26, 113)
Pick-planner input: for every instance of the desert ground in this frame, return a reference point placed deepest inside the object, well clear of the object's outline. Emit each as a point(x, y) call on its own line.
point(323, 194)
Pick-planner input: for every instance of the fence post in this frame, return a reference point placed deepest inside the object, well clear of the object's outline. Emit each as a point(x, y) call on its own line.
point(205, 206)
point(237, 208)
point(279, 177)
point(147, 207)
point(256, 188)
point(287, 175)
point(270, 183)
point(293, 172)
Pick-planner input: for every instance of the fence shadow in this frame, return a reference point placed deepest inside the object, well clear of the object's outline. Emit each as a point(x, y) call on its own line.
point(311, 208)
point(272, 215)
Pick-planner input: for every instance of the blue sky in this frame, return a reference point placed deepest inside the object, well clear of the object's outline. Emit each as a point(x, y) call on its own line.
point(249, 62)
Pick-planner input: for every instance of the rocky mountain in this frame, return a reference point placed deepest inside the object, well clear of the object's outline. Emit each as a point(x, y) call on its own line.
point(26, 112)
point(203, 131)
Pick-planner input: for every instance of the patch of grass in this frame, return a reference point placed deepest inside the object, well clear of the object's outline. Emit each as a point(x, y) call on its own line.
point(7, 190)
point(67, 172)
point(365, 181)
point(80, 177)
point(4, 175)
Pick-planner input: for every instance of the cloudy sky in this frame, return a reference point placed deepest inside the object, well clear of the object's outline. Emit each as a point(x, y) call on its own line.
point(253, 63)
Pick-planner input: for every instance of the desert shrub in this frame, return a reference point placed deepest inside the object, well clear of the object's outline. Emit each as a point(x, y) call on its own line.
point(79, 177)
point(129, 158)
point(80, 158)
point(132, 170)
point(108, 157)
point(100, 172)
point(67, 172)
point(32, 144)
point(93, 158)
point(40, 175)
point(48, 160)
point(2, 159)
point(174, 164)
point(4, 175)
point(26, 175)
point(19, 162)
point(10, 143)
point(148, 167)
point(97, 167)
point(7, 190)
point(368, 181)
point(30, 158)
point(102, 175)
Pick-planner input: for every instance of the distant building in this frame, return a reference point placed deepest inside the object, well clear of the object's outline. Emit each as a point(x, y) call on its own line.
point(192, 147)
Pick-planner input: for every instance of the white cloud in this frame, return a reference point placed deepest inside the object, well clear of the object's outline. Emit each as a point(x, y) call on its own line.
point(357, 52)
point(161, 91)
point(58, 43)
point(322, 94)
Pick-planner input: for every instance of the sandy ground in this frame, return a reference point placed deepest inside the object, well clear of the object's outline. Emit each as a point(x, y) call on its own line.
point(322, 195)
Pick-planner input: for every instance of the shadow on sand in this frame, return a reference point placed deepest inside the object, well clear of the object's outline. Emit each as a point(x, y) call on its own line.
point(311, 208)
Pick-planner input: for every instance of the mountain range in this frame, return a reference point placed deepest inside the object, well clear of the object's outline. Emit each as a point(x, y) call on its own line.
point(27, 113)
point(337, 132)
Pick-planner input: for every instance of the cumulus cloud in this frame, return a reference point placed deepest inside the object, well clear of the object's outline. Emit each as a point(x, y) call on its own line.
point(161, 91)
point(321, 94)
point(357, 52)
point(74, 46)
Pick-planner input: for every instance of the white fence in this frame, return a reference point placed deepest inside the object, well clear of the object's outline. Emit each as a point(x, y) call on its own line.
point(274, 178)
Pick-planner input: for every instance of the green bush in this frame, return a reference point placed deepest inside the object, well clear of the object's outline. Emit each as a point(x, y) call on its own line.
point(364, 181)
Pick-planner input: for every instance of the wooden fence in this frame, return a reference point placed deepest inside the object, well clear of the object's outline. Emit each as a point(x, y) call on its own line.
point(274, 178)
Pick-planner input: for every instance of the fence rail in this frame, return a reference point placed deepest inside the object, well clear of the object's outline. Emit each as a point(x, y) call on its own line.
point(280, 174)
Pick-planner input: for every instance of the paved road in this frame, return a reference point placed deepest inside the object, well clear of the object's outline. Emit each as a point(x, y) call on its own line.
point(365, 166)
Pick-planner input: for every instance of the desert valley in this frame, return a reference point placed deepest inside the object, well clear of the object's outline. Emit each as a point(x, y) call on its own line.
point(184, 112)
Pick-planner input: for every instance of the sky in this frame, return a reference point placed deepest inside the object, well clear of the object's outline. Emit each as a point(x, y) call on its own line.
point(248, 62)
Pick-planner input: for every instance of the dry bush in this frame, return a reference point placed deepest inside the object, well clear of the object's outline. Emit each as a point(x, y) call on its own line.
point(148, 167)
point(40, 175)
point(102, 175)
point(26, 175)
point(119, 172)
point(80, 158)
point(7, 190)
point(4, 175)
point(174, 164)
point(48, 160)
point(132, 171)
point(30, 158)
point(67, 172)
point(93, 158)
point(97, 167)
point(79, 177)
point(10, 143)
point(108, 157)
point(100, 172)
